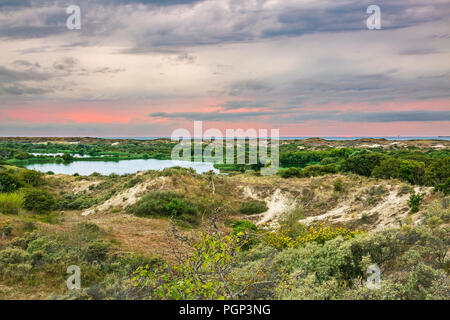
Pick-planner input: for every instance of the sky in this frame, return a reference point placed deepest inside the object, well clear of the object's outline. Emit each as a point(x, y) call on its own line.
point(143, 68)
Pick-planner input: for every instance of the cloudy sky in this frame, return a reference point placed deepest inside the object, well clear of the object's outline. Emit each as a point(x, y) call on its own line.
point(147, 67)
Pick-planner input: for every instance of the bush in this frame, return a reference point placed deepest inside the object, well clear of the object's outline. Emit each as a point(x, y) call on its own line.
point(9, 182)
point(283, 238)
point(164, 204)
point(338, 185)
point(245, 230)
point(11, 256)
point(77, 201)
point(67, 157)
point(291, 172)
point(318, 170)
point(6, 228)
point(253, 207)
point(242, 226)
point(11, 203)
point(414, 201)
point(444, 187)
point(31, 177)
point(97, 251)
point(38, 200)
point(364, 163)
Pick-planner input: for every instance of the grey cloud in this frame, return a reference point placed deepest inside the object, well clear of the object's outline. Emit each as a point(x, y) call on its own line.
point(250, 87)
point(386, 116)
point(186, 58)
point(26, 64)
point(214, 116)
point(20, 90)
point(67, 64)
point(418, 51)
point(80, 129)
point(209, 23)
point(8, 75)
point(239, 104)
point(295, 117)
point(369, 88)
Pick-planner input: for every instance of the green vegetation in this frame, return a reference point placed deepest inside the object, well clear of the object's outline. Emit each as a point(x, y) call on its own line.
point(8, 181)
point(166, 204)
point(206, 274)
point(414, 201)
point(220, 252)
point(41, 259)
point(11, 203)
point(321, 263)
point(38, 200)
point(253, 207)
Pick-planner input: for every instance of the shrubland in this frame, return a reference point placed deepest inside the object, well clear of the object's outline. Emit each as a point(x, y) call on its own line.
point(192, 236)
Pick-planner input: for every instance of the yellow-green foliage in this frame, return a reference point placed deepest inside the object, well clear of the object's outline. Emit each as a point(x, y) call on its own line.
point(282, 239)
point(11, 203)
point(206, 274)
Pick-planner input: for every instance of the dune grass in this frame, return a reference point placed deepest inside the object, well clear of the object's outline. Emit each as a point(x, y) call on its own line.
point(11, 203)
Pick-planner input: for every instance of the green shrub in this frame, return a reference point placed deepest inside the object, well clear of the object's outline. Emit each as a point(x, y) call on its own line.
point(245, 231)
point(6, 228)
point(11, 203)
point(444, 187)
point(9, 182)
point(363, 163)
point(38, 200)
point(164, 204)
point(11, 256)
point(253, 207)
point(318, 170)
point(242, 226)
point(97, 251)
point(414, 201)
point(67, 157)
point(338, 185)
point(291, 172)
point(31, 177)
point(78, 201)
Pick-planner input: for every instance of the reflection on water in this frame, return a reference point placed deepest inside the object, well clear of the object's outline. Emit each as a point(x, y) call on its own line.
point(86, 168)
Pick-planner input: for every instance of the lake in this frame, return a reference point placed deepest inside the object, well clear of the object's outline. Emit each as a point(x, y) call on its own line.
point(86, 168)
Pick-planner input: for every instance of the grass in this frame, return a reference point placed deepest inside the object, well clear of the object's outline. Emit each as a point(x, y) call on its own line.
point(11, 203)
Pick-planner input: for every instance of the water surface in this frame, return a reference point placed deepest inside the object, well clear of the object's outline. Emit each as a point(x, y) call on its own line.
point(86, 168)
